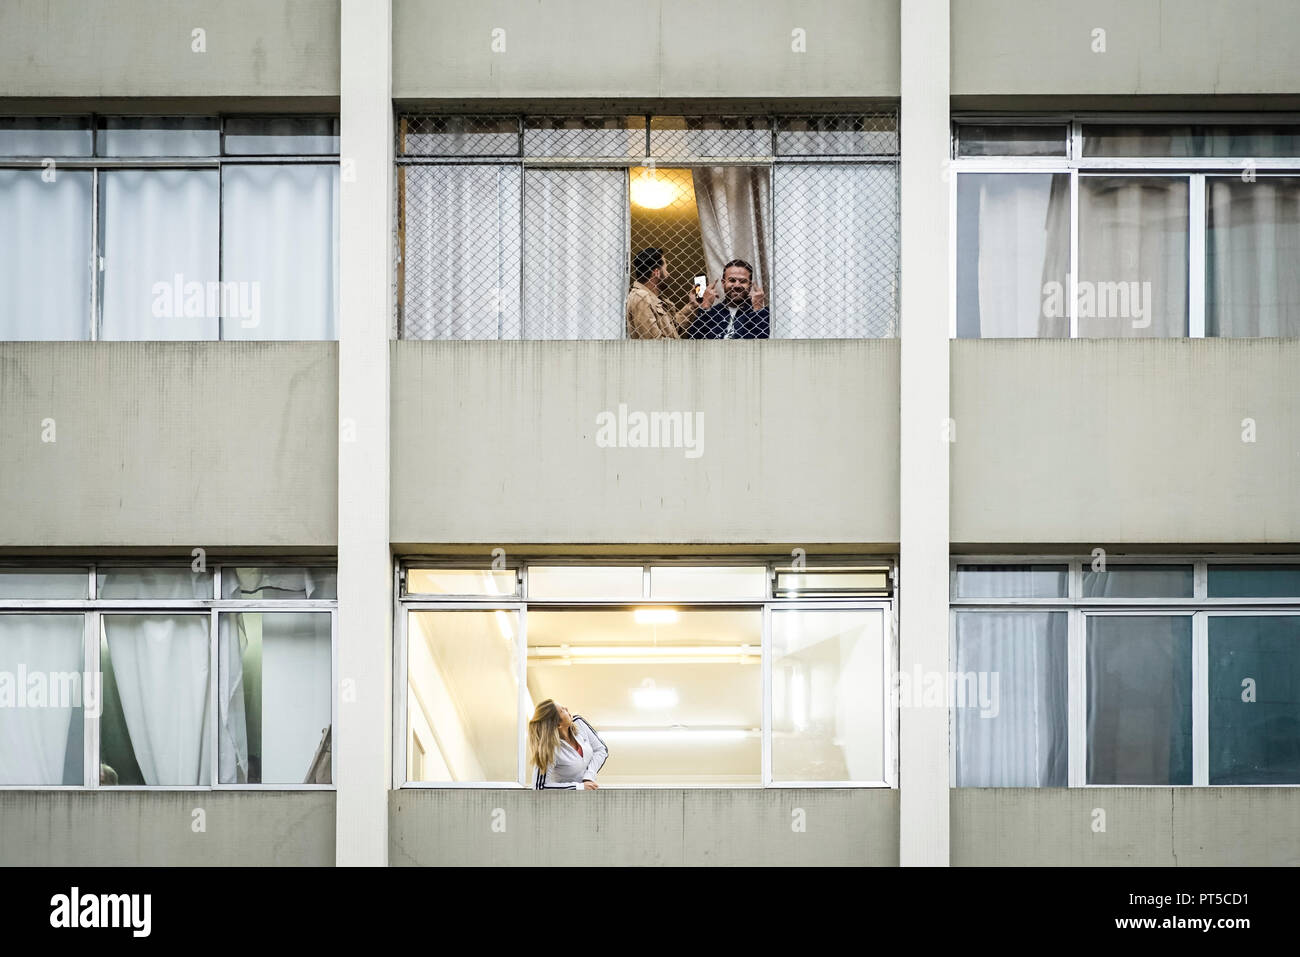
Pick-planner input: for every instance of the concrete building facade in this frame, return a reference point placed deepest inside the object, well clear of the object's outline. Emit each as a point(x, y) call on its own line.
point(922, 452)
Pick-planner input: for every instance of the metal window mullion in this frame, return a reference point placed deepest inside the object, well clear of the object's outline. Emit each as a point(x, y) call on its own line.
point(1196, 224)
point(221, 252)
point(214, 684)
point(765, 716)
point(399, 768)
point(95, 254)
point(952, 710)
point(1073, 274)
point(334, 697)
point(1200, 700)
point(952, 253)
point(1076, 696)
point(90, 722)
point(521, 646)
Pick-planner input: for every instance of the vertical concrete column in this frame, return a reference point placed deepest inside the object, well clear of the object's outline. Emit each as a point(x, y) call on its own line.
point(925, 430)
point(361, 742)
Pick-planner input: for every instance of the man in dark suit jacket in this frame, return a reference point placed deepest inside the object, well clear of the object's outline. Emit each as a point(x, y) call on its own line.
point(741, 313)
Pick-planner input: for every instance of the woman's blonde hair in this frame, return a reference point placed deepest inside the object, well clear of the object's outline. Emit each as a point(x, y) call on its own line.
point(543, 735)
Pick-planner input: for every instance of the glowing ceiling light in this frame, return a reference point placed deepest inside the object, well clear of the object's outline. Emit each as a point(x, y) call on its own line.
point(651, 192)
point(655, 616)
point(651, 698)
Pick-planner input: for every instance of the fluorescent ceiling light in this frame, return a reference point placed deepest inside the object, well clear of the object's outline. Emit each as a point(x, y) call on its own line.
point(642, 651)
point(680, 735)
point(650, 698)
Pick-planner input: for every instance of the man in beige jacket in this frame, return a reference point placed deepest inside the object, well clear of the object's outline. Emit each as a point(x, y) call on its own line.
point(647, 316)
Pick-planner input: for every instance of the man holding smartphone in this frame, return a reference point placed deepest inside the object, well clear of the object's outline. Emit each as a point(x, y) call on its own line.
point(647, 316)
point(742, 312)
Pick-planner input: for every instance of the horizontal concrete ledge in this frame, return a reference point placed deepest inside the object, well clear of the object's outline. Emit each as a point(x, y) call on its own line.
point(166, 828)
point(1144, 827)
point(840, 826)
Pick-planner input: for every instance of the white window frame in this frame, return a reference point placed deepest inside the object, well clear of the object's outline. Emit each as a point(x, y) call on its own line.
point(1074, 164)
point(1199, 607)
point(94, 609)
point(403, 604)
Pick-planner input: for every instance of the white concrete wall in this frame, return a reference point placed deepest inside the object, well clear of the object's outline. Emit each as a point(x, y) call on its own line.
point(169, 444)
point(1116, 441)
point(495, 442)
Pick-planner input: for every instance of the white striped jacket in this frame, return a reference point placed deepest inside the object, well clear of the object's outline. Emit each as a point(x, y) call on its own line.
point(569, 768)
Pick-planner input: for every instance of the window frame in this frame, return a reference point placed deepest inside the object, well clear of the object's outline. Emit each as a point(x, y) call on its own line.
point(94, 609)
point(403, 604)
point(96, 165)
point(1074, 164)
point(1199, 607)
point(521, 159)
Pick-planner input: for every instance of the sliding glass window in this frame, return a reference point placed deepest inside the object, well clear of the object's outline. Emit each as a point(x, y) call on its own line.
point(165, 227)
point(692, 674)
point(119, 675)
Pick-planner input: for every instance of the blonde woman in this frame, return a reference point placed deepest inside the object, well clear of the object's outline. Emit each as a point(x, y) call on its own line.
point(563, 749)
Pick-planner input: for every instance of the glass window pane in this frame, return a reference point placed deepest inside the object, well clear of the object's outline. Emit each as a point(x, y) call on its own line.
point(44, 583)
point(585, 581)
point(42, 698)
point(826, 215)
point(710, 136)
point(45, 238)
point(1252, 256)
point(677, 698)
point(1254, 699)
point(1012, 581)
point(620, 136)
point(279, 247)
point(1013, 255)
point(1139, 676)
point(1132, 256)
point(462, 706)
point(1254, 581)
point(1156, 140)
point(575, 224)
point(461, 581)
point(814, 581)
point(1000, 140)
point(170, 583)
point(274, 697)
point(51, 136)
point(458, 135)
point(159, 136)
point(279, 581)
point(1249, 140)
point(160, 254)
point(460, 241)
point(282, 135)
point(1138, 581)
point(154, 729)
point(828, 714)
point(718, 582)
point(1011, 714)
point(865, 135)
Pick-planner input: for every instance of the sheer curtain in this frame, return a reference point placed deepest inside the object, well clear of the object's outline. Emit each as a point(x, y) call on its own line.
point(834, 273)
point(733, 204)
point(576, 232)
point(34, 737)
point(279, 231)
point(1133, 249)
point(1013, 240)
point(1025, 743)
point(45, 255)
point(159, 232)
point(160, 666)
point(1252, 251)
point(461, 252)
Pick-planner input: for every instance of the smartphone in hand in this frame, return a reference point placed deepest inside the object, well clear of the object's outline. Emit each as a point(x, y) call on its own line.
point(701, 284)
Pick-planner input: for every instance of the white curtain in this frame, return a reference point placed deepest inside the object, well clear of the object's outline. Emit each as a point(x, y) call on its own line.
point(577, 227)
point(1013, 239)
point(1253, 257)
point(1133, 230)
point(733, 204)
point(835, 269)
point(160, 231)
point(1025, 743)
point(45, 254)
point(461, 252)
point(34, 736)
point(279, 230)
point(160, 666)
